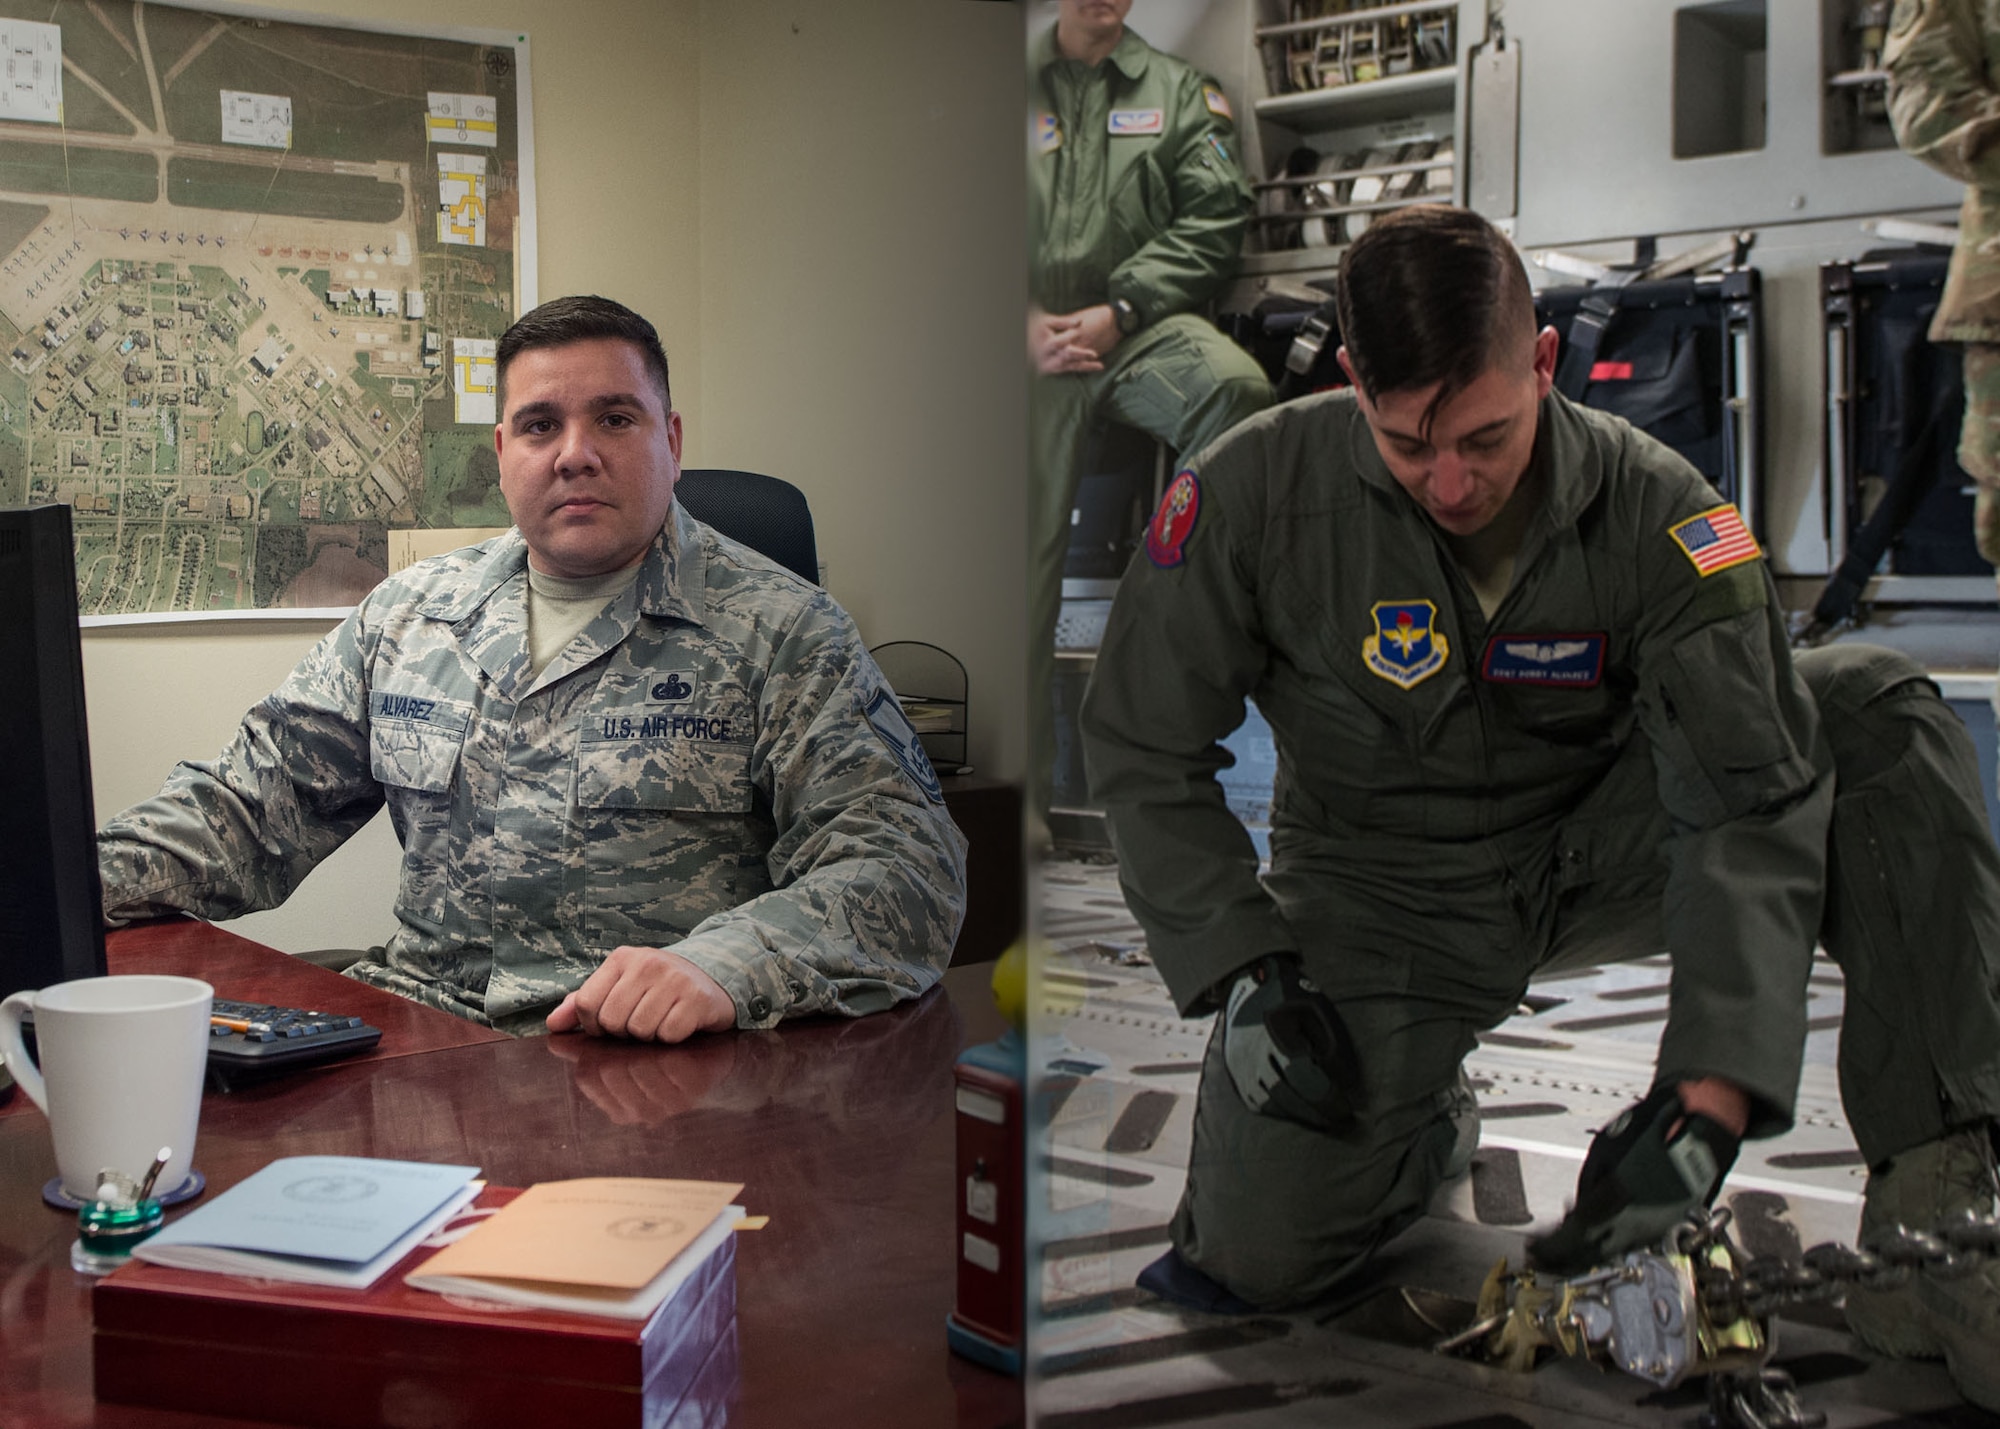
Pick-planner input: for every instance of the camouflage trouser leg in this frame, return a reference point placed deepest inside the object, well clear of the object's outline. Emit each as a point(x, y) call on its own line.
point(1979, 443)
point(1179, 380)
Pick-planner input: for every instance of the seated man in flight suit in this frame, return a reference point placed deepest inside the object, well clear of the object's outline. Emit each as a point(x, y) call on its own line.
point(1534, 708)
point(647, 782)
point(1139, 204)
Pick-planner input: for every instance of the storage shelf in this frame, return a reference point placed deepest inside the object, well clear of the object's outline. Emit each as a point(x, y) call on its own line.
point(1353, 105)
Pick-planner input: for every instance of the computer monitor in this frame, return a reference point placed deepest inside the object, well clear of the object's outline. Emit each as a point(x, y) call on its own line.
point(51, 907)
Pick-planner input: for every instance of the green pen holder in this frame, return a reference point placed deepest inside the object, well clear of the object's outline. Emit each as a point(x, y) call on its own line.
point(107, 1233)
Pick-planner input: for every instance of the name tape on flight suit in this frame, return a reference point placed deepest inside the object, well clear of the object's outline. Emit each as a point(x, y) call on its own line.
point(1715, 540)
point(1406, 648)
point(1138, 121)
point(1569, 662)
point(1168, 531)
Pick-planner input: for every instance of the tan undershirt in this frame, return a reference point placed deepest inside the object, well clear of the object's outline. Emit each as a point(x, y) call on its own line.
point(1487, 556)
point(558, 609)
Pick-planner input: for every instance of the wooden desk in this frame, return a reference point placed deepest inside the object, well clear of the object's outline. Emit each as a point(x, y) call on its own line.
point(842, 1132)
point(250, 972)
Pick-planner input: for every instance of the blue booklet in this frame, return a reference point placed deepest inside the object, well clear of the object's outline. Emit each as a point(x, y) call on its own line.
point(323, 1220)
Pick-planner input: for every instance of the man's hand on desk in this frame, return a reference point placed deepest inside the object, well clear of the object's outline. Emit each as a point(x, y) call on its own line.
point(647, 994)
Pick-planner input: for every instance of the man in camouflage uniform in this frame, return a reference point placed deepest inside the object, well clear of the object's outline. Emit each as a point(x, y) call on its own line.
point(1943, 58)
point(647, 783)
point(1139, 206)
point(1534, 708)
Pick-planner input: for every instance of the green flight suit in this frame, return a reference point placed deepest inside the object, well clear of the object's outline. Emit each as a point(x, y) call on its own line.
point(1138, 194)
point(1621, 760)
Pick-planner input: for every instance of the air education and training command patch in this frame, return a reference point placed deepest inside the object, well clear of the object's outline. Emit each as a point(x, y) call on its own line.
point(1171, 525)
point(1715, 540)
point(1406, 648)
point(1048, 133)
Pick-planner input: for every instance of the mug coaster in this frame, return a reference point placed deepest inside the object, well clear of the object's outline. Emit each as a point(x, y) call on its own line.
point(53, 1194)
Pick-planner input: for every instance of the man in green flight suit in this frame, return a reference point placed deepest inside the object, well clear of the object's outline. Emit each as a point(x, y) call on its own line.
point(1943, 58)
point(1139, 204)
point(1534, 708)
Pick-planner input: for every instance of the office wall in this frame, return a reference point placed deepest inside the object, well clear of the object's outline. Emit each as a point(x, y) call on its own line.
point(824, 221)
point(863, 206)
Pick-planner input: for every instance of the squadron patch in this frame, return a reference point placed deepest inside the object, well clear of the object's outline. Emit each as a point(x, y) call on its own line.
point(1567, 662)
point(1406, 648)
point(1168, 531)
point(1138, 121)
point(885, 715)
point(1715, 540)
point(1048, 133)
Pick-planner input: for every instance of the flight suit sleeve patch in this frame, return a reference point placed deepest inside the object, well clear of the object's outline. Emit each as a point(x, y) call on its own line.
point(1217, 102)
point(1171, 525)
point(1715, 540)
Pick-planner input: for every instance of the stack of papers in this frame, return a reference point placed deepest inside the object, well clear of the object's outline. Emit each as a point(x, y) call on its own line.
point(617, 1246)
point(927, 718)
point(317, 1220)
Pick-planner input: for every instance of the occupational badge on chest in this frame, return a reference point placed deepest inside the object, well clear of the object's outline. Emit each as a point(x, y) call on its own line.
point(1406, 648)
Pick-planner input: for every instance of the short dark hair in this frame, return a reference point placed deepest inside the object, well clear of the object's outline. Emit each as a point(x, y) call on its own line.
point(562, 321)
point(1429, 295)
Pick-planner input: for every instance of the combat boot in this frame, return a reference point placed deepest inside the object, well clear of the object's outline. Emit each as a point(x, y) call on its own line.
point(1931, 1316)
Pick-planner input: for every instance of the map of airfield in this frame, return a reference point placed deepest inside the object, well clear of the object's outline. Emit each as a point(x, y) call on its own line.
point(251, 273)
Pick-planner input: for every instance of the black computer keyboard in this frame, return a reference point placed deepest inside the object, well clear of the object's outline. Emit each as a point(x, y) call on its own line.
point(281, 1038)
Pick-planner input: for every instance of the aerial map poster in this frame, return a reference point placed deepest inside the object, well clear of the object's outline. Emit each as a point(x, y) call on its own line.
point(252, 267)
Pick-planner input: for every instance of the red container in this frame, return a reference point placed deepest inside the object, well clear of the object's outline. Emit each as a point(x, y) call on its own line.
point(226, 1345)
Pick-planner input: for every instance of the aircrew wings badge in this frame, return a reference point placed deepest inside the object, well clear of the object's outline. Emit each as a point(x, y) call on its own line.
point(1168, 531)
point(1406, 648)
point(1715, 540)
point(1138, 121)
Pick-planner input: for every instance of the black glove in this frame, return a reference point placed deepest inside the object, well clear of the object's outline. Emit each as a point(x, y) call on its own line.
point(1637, 1183)
point(1287, 1050)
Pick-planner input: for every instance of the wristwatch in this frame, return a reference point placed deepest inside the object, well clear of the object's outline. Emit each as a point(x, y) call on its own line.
point(1127, 315)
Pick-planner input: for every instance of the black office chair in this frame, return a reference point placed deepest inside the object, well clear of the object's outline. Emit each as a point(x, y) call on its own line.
point(768, 515)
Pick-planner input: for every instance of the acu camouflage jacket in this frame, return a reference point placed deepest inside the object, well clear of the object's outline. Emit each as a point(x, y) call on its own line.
point(715, 764)
point(1943, 58)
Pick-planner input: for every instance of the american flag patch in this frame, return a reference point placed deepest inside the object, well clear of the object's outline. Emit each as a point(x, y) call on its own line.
point(1715, 540)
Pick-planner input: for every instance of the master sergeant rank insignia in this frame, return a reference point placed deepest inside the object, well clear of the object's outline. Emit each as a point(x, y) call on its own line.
point(1406, 648)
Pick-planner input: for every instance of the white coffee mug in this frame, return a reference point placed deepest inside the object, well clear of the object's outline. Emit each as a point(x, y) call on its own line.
point(122, 1063)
